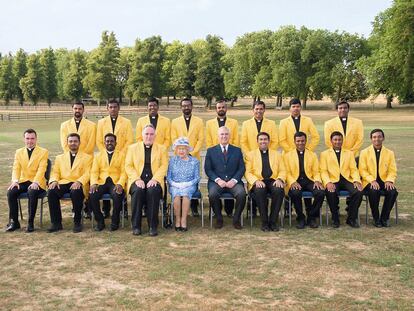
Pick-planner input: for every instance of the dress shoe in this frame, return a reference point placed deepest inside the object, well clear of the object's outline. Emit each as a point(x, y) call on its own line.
point(274, 227)
point(30, 227)
point(136, 231)
point(313, 224)
point(377, 223)
point(55, 228)
point(237, 226)
point(335, 224)
point(12, 226)
point(153, 232)
point(177, 228)
point(352, 223)
point(113, 227)
point(100, 226)
point(385, 223)
point(219, 224)
point(265, 228)
point(77, 228)
point(301, 224)
point(184, 229)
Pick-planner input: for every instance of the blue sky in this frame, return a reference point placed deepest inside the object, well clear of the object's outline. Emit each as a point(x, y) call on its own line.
point(36, 24)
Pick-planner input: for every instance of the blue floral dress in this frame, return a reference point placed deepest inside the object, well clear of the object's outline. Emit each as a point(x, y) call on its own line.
point(183, 176)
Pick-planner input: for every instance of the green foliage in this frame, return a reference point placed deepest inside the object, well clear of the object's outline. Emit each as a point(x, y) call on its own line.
point(19, 71)
point(62, 66)
point(32, 83)
point(125, 64)
point(48, 63)
point(183, 75)
point(172, 52)
point(6, 79)
point(73, 87)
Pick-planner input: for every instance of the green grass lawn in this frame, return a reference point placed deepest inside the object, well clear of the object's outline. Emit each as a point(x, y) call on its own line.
point(322, 269)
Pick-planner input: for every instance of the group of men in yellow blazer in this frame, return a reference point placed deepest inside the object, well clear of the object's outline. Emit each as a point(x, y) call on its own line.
point(73, 168)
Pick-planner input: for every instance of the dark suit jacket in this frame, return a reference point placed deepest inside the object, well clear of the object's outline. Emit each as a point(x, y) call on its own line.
point(216, 167)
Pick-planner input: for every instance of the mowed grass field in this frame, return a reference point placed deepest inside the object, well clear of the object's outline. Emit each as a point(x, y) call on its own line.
point(208, 269)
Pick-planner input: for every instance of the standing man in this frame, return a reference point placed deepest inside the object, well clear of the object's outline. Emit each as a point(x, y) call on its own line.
point(146, 166)
point(351, 129)
point(85, 128)
point(265, 174)
point(255, 125)
point(29, 167)
point(191, 127)
point(379, 172)
point(339, 172)
point(108, 176)
point(225, 168)
point(70, 174)
point(302, 168)
point(220, 120)
point(161, 124)
point(295, 123)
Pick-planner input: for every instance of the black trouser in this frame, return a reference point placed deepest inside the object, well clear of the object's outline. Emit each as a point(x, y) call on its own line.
point(276, 194)
point(13, 205)
point(107, 187)
point(355, 199)
point(54, 196)
point(238, 192)
point(151, 198)
point(390, 196)
point(313, 209)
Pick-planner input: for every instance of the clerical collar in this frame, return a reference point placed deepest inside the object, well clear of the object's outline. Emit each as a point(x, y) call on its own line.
point(296, 118)
point(337, 151)
point(114, 119)
point(154, 117)
point(258, 120)
point(377, 150)
point(110, 152)
point(30, 149)
point(148, 147)
point(263, 151)
point(300, 152)
point(187, 118)
point(78, 121)
point(73, 154)
point(344, 119)
point(221, 119)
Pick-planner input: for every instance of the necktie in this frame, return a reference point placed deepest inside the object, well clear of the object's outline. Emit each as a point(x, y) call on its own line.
point(225, 153)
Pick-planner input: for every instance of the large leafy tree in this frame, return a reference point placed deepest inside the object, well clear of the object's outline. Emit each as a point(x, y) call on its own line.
point(102, 68)
point(32, 83)
point(172, 53)
point(183, 75)
point(73, 86)
point(48, 63)
point(19, 71)
point(62, 67)
point(209, 81)
point(7, 80)
point(125, 65)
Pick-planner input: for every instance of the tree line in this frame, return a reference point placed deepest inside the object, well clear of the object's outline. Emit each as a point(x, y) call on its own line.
point(299, 62)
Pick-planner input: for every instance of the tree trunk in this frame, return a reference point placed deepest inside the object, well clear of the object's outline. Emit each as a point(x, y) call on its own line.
point(389, 101)
point(168, 100)
point(254, 99)
point(338, 93)
point(99, 102)
point(305, 98)
point(233, 100)
point(120, 95)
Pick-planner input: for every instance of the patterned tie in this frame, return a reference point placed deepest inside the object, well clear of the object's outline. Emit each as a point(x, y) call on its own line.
point(225, 153)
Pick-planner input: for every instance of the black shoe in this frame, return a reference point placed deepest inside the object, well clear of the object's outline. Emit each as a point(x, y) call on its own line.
point(219, 224)
point(313, 224)
point(335, 224)
point(153, 232)
point(301, 224)
point(177, 228)
point(229, 215)
point(184, 229)
point(136, 231)
point(30, 227)
point(237, 226)
point(385, 223)
point(352, 223)
point(274, 227)
point(377, 223)
point(113, 227)
point(55, 228)
point(100, 226)
point(77, 228)
point(12, 226)
point(265, 228)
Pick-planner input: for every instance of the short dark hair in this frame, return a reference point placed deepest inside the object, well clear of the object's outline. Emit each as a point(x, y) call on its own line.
point(113, 101)
point(110, 135)
point(152, 100)
point(342, 102)
point(300, 134)
point(259, 102)
point(30, 131)
point(221, 101)
point(78, 103)
point(376, 131)
point(186, 99)
point(295, 101)
point(261, 134)
point(336, 133)
point(73, 135)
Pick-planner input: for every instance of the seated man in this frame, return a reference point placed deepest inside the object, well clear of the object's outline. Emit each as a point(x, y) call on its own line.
point(378, 172)
point(29, 166)
point(265, 174)
point(225, 168)
point(108, 176)
point(339, 172)
point(302, 169)
point(70, 174)
point(146, 166)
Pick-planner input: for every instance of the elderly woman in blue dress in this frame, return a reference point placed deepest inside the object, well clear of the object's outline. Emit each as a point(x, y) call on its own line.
point(183, 177)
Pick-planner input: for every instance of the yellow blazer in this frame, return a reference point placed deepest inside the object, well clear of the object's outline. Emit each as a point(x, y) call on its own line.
point(123, 132)
point(253, 164)
point(30, 170)
point(368, 165)
point(163, 130)
point(135, 160)
point(80, 170)
point(287, 131)
point(87, 133)
point(248, 138)
point(311, 165)
point(101, 169)
point(354, 133)
point(195, 134)
point(212, 129)
point(331, 170)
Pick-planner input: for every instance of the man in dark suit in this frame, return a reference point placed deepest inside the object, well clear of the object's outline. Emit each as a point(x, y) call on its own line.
point(225, 168)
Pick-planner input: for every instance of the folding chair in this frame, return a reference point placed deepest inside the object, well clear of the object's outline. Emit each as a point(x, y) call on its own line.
point(196, 196)
point(382, 194)
point(250, 211)
point(342, 194)
point(224, 196)
point(305, 195)
point(107, 197)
